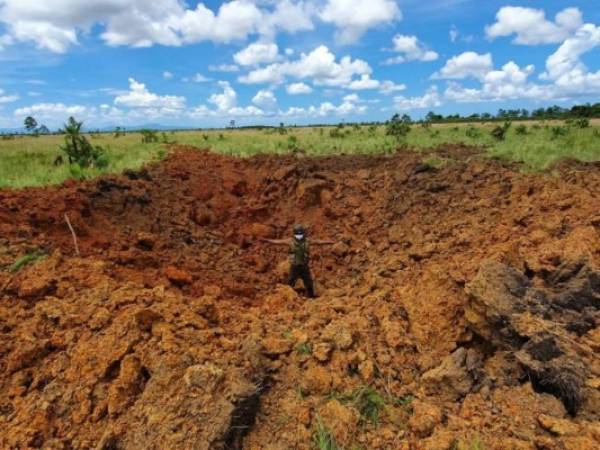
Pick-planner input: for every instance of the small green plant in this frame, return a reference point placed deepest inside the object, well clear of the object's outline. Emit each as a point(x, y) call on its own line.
point(148, 136)
point(337, 132)
point(221, 137)
point(27, 259)
point(304, 349)
point(323, 438)
point(472, 132)
point(205, 137)
point(398, 127)
point(292, 144)
point(78, 148)
point(499, 132)
point(521, 130)
point(558, 131)
point(372, 130)
point(369, 404)
point(404, 402)
point(582, 123)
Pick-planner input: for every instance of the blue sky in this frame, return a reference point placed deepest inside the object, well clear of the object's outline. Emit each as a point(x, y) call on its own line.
point(201, 64)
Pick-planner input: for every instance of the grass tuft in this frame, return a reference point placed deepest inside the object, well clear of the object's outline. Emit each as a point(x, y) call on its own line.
point(323, 439)
point(27, 259)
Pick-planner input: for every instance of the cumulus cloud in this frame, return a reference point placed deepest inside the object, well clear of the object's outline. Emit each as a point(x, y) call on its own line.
point(225, 100)
point(365, 82)
point(52, 110)
point(167, 75)
point(257, 53)
point(389, 87)
point(466, 65)
point(431, 99)
point(320, 66)
point(56, 25)
point(298, 89)
point(265, 99)
point(353, 18)
point(410, 49)
point(531, 26)
point(138, 96)
point(565, 68)
point(510, 82)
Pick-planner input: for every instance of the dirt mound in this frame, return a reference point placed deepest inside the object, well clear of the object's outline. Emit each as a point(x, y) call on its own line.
point(459, 305)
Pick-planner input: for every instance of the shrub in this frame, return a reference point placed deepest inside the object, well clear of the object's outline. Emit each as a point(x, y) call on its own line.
point(148, 136)
point(499, 132)
point(337, 132)
point(372, 130)
point(205, 137)
point(582, 123)
point(558, 131)
point(521, 130)
point(78, 148)
point(398, 127)
point(472, 132)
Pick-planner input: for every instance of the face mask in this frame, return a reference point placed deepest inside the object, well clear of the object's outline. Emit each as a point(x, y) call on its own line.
point(299, 237)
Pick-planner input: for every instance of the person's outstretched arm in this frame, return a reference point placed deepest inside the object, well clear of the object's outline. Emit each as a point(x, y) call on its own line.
point(276, 241)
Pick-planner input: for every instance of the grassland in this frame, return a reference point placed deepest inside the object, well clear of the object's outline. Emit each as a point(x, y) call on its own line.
point(28, 161)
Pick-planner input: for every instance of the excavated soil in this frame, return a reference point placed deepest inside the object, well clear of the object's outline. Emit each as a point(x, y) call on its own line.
point(459, 307)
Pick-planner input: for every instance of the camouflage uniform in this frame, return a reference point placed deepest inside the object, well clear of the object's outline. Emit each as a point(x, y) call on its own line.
point(299, 259)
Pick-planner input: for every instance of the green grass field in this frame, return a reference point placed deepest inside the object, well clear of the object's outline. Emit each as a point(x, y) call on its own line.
point(28, 161)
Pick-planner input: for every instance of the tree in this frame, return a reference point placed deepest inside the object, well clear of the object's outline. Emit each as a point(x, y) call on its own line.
point(43, 129)
point(78, 148)
point(30, 124)
point(398, 127)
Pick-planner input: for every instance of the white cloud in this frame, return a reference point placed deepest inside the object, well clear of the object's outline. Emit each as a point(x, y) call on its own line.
point(289, 51)
point(298, 88)
point(167, 75)
point(56, 25)
point(52, 111)
point(257, 53)
point(410, 49)
point(223, 68)
point(389, 87)
point(510, 82)
point(466, 65)
point(5, 98)
point(225, 101)
point(320, 66)
point(431, 99)
point(196, 78)
point(365, 82)
point(454, 33)
point(565, 68)
point(138, 96)
point(531, 26)
point(349, 107)
point(353, 18)
point(265, 99)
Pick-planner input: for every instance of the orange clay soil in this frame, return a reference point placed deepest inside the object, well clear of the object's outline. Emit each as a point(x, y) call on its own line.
point(459, 307)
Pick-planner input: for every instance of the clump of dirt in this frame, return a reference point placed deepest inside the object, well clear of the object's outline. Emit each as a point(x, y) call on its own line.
point(459, 306)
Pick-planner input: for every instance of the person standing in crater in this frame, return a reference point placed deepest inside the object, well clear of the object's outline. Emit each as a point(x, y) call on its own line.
point(299, 252)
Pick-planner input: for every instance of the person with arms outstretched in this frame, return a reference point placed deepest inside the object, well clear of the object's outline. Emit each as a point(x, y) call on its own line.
point(300, 258)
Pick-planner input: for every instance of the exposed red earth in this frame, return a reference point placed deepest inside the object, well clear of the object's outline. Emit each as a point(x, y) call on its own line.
point(465, 298)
